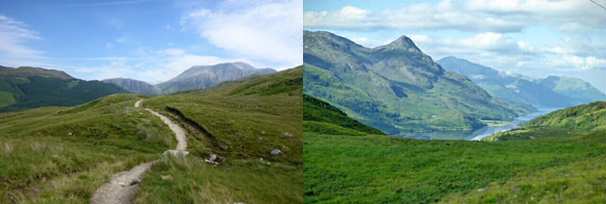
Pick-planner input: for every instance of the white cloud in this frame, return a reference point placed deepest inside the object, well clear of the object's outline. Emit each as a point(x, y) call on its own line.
point(584, 63)
point(416, 16)
point(153, 66)
point(353, 12)
point(471, 15)
point(14, 43)
point(270, 33)
point(420, 39)
point(487, 40)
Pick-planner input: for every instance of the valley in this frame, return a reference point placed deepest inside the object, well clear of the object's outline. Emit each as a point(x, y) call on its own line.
point(397, 88)
point(116, 146)
point(491, 128)
point(389, 125)
point(531, 163)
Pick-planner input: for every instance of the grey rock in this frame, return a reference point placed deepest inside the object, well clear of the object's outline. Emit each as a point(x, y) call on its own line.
point(276, 152)
point(214, 159)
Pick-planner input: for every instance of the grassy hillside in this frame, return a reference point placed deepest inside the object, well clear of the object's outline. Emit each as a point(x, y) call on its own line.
point(61, 155)
point(340, 168)
point(579, 182)
point(27, 87)
point(245, 120)
point(321, 117)
point(564, 123)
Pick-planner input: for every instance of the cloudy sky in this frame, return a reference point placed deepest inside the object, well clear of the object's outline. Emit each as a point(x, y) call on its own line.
point(150, 40)
point(531, 37)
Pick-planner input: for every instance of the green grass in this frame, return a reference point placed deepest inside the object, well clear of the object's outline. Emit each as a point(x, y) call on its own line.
point(246, 119)
point(556, 165)
point(583, 181)
point(61, 155)
point(6, 99)
point(248, 181)
point(320, 114)
point(377, 169)
point(38, 91)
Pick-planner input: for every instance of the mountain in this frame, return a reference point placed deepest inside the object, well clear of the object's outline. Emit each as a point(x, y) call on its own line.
point(549, 92)
point(577, 89)
point(134, 86)
point(29, 87)
point(201, 77)
point(567, 161)
point(33, 71)
point(395, 88)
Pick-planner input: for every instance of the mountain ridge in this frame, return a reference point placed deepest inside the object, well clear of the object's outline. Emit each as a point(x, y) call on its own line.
point(552, 91)
point(134, 86)
point(205, 76)
point(31, 87)
point(394, 89)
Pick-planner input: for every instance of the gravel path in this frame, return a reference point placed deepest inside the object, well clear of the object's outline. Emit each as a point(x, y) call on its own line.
point(179, 132)
point(123, 186)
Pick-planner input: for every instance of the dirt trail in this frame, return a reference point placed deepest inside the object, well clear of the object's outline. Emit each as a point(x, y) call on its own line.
point(123, 186)
point(179, 132)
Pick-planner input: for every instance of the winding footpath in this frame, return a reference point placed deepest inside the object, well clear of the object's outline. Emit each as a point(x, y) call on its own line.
point(123, 186)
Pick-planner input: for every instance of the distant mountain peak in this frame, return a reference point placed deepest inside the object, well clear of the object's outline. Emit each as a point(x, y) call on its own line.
point(134, 86)
point(453, 58)
point(403, 42)
point(205, 76)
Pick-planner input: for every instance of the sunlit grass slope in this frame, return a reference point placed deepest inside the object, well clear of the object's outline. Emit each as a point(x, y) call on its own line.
point(61, 155)
point(561, 167)
point(246, 120)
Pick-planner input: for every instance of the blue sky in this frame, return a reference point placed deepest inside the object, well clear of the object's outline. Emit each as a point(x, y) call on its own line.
point(531, 37)
point(150, 40)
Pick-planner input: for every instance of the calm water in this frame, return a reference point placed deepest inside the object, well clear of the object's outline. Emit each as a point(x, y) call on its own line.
point(480, 133)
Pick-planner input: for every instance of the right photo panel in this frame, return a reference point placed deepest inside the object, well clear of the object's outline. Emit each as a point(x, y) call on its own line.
point(455, 101)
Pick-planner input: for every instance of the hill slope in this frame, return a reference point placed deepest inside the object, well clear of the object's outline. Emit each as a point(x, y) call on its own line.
point(254, 124)
point(28, 87)
point(61, 155)
point(565, 123)
point(343, 168)
point(321, 117)
point(201, 77)
point(395, 88)
point(577, 182)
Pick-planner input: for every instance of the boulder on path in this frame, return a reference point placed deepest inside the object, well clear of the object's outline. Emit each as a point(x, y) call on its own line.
point(276, 152)
point(175, 153)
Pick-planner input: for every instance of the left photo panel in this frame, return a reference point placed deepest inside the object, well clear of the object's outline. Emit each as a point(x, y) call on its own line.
point(150, 101)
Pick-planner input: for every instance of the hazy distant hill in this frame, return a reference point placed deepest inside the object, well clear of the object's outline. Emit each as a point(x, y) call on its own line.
point(201, 77)
point(549, 92)
point(29, 87)
point(395, 87)
point(134, 86)
point(577, 89)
